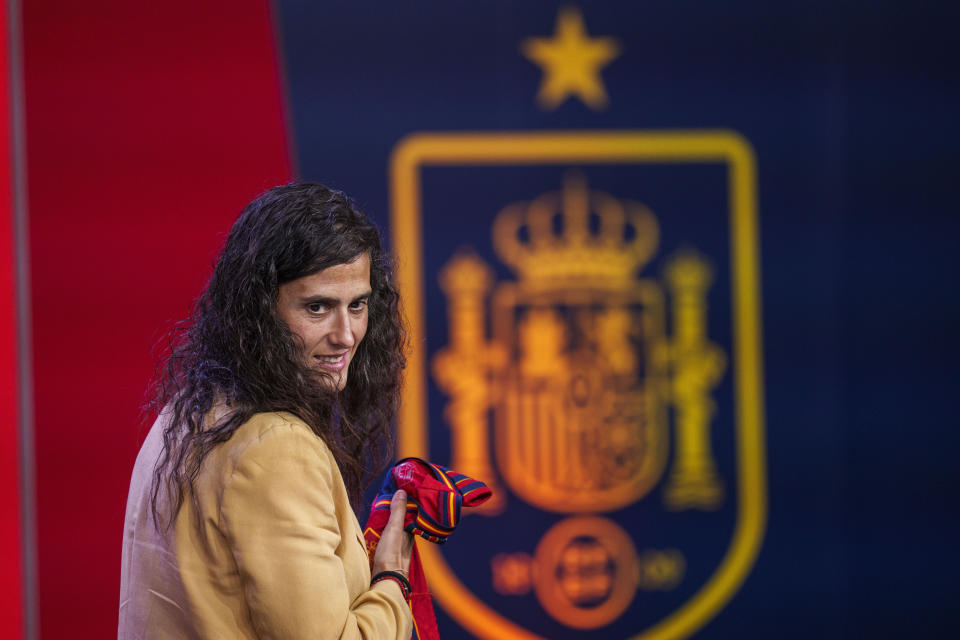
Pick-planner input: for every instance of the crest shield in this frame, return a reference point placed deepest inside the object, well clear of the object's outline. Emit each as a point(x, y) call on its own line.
point(584, 387)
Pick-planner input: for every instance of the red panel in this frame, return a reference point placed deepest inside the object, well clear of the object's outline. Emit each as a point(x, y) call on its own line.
point(149, 125)
point(11, 603)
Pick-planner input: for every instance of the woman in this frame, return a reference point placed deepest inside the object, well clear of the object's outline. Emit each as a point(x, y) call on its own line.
point(274, 413)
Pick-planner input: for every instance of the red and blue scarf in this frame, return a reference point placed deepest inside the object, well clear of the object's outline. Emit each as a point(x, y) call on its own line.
point(435, 496)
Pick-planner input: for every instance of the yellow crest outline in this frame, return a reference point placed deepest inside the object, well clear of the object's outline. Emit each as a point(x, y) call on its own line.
point(595, 147)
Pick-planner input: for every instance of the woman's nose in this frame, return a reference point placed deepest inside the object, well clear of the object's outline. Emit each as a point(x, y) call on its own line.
point(343, 334)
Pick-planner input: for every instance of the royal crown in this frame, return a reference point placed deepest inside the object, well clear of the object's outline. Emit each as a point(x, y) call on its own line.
point(576, 238)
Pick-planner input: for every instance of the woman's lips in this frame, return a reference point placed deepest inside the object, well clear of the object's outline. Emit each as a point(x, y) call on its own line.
point(332, 363)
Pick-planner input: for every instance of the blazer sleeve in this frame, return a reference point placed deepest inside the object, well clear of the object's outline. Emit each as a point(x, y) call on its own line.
point(278, 514)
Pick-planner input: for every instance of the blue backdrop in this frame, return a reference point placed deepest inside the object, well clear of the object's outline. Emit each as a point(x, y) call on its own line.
point(849, 111)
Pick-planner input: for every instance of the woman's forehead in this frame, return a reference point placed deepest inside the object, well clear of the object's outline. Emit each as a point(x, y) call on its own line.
point(340, 280)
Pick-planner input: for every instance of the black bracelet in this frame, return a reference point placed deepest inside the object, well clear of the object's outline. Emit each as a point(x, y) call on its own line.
point(396, 576)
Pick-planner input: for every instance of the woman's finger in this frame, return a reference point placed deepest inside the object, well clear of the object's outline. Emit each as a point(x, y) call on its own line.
point(398, 509)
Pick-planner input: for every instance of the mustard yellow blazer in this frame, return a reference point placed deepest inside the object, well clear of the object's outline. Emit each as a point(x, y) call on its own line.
point(277, 552)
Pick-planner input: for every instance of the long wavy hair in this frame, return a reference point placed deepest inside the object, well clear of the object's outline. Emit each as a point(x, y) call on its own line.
point(234, 351)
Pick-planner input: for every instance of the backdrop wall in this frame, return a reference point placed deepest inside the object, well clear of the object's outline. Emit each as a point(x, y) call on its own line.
point(814, 137)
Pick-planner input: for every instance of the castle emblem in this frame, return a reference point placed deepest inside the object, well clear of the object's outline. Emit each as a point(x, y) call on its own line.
point(579, 372)
point(598, 378)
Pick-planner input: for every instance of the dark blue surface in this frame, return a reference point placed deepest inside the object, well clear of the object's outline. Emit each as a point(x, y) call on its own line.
point(850, 110)
point(690, 202)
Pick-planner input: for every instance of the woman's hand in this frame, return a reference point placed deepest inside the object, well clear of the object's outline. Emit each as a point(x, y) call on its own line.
point(395, 545)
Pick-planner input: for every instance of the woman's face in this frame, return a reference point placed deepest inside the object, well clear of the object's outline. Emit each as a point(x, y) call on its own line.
point(328, 312)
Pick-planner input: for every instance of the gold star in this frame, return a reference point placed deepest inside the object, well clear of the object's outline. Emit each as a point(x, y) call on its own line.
point(571, 62)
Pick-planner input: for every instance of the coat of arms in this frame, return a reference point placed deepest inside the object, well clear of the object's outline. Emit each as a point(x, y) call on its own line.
point(582, 387)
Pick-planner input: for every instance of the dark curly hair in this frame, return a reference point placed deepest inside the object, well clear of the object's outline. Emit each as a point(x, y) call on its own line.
point(235, 351)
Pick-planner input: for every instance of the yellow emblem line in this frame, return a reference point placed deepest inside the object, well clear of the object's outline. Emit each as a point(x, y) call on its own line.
point(417, 150)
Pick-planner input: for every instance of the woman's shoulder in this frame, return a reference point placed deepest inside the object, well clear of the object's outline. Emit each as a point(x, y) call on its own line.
point(274, 426)
point(270, 435)
point(272, 458)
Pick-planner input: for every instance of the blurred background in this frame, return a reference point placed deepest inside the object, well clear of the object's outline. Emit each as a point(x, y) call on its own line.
point(678, 275)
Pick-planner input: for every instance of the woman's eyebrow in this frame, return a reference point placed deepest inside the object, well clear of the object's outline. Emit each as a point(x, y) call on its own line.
point(327, 300)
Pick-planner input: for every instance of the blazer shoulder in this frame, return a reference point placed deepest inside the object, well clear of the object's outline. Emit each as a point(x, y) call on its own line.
point(273, 434)
point(279, 425)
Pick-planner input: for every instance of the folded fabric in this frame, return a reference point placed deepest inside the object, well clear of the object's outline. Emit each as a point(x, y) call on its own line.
point(435, 495)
